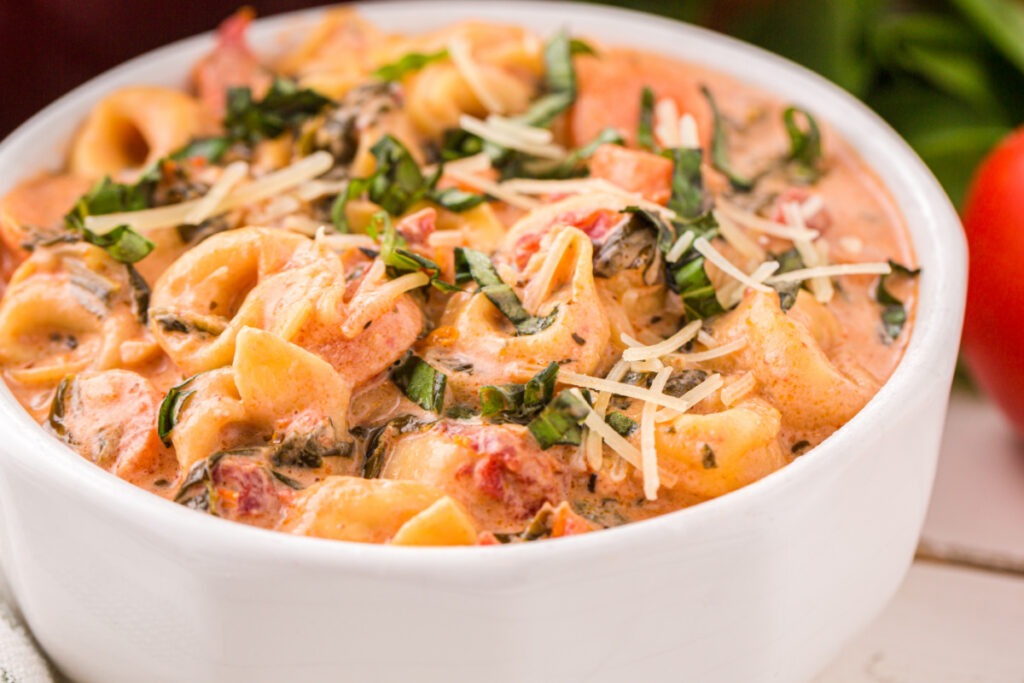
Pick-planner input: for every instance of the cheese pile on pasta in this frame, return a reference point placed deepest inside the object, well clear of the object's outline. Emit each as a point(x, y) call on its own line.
point(476, 286)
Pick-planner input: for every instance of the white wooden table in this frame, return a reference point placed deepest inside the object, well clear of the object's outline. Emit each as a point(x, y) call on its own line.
point(959, 616)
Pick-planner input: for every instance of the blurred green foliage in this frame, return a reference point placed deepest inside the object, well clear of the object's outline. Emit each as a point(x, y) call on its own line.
point(947, 74)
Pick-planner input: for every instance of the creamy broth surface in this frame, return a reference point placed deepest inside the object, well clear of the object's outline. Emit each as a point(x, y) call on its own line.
point(450, 289)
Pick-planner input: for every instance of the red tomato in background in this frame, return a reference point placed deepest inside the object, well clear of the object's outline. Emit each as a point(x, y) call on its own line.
point(993, 341)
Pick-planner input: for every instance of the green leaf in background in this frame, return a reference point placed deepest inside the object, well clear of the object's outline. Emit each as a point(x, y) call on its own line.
point(1002, 21)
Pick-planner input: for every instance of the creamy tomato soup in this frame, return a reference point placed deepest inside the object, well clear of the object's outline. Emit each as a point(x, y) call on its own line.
point(476, 286)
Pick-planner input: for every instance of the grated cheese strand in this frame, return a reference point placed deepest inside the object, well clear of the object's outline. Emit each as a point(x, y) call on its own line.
point(758, 224)
point(601, 400)
point(648, 451)
point(680, 247)
point(732, 393)
point(231, 176)
point(495, 190)
point(615, 441)
point(640, 353)
point(621, 389)
point(462, 58)
point(835, 270)
point(269, 185)
point(531, 134)
point(585, 186)
point(711, 353)
point(692, 397)
point(538, 289)
point(510, 140)
point(689, 136)
point(666, 123)
point(714, 256)
point(820, 286)
point(732, 234)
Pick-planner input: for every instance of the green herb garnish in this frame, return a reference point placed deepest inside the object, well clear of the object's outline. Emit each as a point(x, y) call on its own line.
point(285, 107)
point(122, 243)
point(398, 183)
point(170, 409)
point(474, 265)
point(621, 423)
point(709, 461)
point(559, 421)
point(422, 383)
point(645, 125)
point(894, 313)
point(414, 61)
point(400, 260)
point(804, 145)
point(720, 147)
point(518, 403)
point(210, 149)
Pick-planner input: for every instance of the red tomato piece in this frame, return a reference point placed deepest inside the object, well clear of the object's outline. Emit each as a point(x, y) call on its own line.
point(993, 337)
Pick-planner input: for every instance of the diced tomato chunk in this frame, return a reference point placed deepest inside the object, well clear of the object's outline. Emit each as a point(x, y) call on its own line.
point(231, 64)
point(634, 170)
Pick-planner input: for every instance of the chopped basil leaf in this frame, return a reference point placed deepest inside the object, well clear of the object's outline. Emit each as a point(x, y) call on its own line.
point(687, 199)
point(788, 260)
point(804, 145)
point(894, 313)
point(414, 61)
point(283, 108)
point(422, 383)
point(720, 147)
point(122, 243)
point(518, 403)
point(55, 419)
point(694, 287)
point(211, 149)
point(454, 199)
point(621, 423)
point(396, 184)
point(559, 83)
point(559, 422)
point(474, 265)
point(170, 409)
point(645, 125)
point(580, 47)
point(709, 461)
point(400, 260)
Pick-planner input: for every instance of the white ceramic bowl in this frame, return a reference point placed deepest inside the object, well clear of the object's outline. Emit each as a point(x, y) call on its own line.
point(764, 584)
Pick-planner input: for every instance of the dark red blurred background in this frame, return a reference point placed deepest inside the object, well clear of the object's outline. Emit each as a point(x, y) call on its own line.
point(48, 47)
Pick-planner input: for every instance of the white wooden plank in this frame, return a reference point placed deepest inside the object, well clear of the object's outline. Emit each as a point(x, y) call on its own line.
point(946, 625)
point(977, 508)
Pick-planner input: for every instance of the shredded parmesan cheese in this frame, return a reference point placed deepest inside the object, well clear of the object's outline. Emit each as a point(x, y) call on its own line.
point(821, 286)
point(714, 256)
point(628, 390)
point(692, 397)
point(538, 289)
point(835, 270)
point(462, 58)
point(706, 339)
point(739, 241)
point(733, 392)
point(231, 176)
point(680, 247)
point(593, 442)
point(709, 354)
point(666, 122)
point(648, 451)
point(756, 223)
point(512, 140)
point(689, 136)
point(640, 353)
point(495, 190)
point(531, 134)
point(584, 186)
point(168, 216)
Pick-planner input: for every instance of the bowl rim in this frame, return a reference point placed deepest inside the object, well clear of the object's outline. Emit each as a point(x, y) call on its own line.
point(939, 312)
